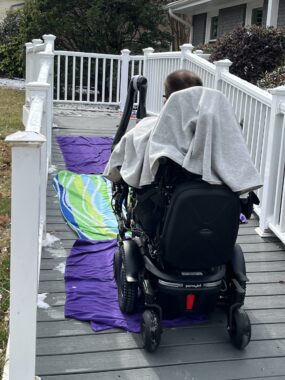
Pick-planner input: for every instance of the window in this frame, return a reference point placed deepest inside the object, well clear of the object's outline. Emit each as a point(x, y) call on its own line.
point(256, 17)
point(214, 28)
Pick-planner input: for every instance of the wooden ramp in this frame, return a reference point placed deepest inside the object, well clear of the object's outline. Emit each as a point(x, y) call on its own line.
point(70, 350)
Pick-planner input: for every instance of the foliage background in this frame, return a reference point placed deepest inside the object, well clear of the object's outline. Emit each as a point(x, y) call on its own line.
point(84, 25)
point(253, 51)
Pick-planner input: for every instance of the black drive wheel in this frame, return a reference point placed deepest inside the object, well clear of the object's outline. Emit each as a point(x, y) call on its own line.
point(116, 265)
point(127, 291)
point(240, 332)
point(150, 330)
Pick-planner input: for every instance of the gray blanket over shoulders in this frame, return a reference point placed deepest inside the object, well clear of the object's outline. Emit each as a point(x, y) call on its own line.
point(197, 129)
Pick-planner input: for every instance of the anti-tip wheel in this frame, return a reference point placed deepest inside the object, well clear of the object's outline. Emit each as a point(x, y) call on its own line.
point(240, 331)
point(150, 330)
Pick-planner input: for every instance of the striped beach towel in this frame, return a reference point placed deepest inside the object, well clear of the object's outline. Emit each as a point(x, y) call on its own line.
point(85, 201)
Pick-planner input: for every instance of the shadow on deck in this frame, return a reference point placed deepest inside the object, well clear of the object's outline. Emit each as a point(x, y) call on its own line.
point(70, 350)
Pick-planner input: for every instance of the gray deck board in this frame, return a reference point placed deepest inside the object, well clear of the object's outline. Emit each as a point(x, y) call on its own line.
point(70, 350)
point(173, 355)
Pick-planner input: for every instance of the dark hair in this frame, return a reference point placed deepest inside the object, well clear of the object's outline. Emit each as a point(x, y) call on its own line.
point(179, 80)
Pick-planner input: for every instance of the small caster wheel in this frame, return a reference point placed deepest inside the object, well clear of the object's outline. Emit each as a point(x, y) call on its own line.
point(127, 291)
point(240, 331)
point(150, 330)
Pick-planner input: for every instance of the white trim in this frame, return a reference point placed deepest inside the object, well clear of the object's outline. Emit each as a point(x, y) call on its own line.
point(193, 8)
point(249, 8)
point(208, 24)
point(181, 4)
point(272, 13)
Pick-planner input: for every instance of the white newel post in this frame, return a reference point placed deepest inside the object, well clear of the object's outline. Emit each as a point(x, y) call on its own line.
point(36, 66)
point(147, 73)
point(38, 94)
point(146, 52)
point(29, 62)
point(48, 56)
point(25, 211)
point(185, 49)
point(125, 58)
point(222, 66)
point(272, 158)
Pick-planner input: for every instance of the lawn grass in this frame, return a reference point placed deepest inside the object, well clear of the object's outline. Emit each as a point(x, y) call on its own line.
point(11, 102)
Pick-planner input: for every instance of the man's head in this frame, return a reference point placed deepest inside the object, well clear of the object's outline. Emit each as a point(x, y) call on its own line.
point(179, 80)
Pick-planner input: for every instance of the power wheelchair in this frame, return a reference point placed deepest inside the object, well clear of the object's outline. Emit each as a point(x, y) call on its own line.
point(177, 246)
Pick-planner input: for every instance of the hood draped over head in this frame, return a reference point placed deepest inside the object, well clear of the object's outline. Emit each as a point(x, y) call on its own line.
point(198, 130)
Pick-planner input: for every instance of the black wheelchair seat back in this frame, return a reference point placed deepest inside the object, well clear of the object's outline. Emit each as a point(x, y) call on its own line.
point(200, 227)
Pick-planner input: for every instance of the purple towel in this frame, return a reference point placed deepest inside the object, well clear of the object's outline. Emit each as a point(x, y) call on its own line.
point(85, 155)
point(91, 291)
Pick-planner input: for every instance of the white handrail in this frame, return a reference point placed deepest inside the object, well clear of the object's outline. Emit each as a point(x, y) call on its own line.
point(30, 159)
point(81, 54)
point(94, 78)
point(247, 87)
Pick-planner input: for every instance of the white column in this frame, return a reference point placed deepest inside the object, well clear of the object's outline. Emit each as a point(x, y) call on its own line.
point(272, 13)
point(146, 52)
point(125, 58)
point(148, 73)
point(36, 42)
point(29, 62)
point(272, 158)
point(25, 197)
point(48, 58)
point(185, 49)
point(49, 41)
point(222, 66)
point(38, 95)
point(29, 67)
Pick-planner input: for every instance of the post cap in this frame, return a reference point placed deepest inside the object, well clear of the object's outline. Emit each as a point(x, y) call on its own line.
point(125, 51)
point(25, 137)
point(223, 63)
point(148, 50)
point(186, 47)
point(49, 37)
point(37, 41)
point(278, 91)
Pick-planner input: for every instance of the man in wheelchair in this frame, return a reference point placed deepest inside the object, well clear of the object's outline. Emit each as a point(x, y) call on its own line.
point(177, 183)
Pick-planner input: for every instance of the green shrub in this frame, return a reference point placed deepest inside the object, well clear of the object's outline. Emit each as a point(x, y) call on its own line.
point(12, 59)
point(253, 51)
point(273, 79)
point(11, 46)
point(207, 48)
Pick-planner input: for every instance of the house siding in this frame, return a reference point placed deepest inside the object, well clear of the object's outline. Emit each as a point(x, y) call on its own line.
point(281, 14)
point(230, 18)
point(199, 28)
point(264, 15)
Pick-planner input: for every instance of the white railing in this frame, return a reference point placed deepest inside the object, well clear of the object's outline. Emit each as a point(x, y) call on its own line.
point(103, 79)
point(31, 152)
point(158, 65)
point(92, 78)
point(260, 114)
point(273, 200)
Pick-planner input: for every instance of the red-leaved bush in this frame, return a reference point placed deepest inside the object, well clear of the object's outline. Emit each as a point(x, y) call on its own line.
point(253, 51)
